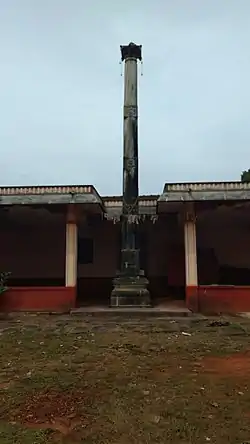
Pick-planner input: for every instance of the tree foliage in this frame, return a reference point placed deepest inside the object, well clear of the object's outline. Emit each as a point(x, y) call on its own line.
point(245, 176)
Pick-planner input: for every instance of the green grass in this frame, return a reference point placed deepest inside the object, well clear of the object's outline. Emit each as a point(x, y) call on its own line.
point(72, 380)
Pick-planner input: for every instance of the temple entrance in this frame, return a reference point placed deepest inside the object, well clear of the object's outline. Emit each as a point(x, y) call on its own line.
point(98, 250)
point(169, 287)
point(162, 258)
point(94, 291)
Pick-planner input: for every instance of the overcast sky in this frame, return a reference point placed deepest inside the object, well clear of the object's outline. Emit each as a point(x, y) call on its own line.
point(61, 91)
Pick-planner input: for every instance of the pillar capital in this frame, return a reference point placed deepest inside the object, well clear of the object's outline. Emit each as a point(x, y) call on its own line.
point(190, 217)
point(131, 51)
point(188, 213)
point(72, 214)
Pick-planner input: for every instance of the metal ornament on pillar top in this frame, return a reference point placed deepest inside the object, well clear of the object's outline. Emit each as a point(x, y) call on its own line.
point(130, 285)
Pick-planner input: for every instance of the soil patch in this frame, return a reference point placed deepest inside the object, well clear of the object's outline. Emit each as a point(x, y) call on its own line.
point(53, 410)
point(5, 385)
point(237, 364)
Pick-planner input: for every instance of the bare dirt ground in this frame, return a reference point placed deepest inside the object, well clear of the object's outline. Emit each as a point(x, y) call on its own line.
point(77, 380)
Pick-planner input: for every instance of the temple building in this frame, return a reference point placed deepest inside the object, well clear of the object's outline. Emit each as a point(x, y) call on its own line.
point(62, 246)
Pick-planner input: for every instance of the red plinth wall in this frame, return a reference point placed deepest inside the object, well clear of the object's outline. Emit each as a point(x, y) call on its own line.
point(38, 299)
point(216, 299)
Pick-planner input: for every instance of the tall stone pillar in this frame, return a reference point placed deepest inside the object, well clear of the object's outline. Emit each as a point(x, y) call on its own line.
point(191, 270)
point(71, 248)
point(130, 286)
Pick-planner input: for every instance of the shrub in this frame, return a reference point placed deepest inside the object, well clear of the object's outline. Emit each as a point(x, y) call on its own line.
point(4, 276)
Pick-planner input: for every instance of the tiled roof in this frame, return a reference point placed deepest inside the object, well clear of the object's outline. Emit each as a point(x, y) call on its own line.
point(58, 189)
point(207, 186)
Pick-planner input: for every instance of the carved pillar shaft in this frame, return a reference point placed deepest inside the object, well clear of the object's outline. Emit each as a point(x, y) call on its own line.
point(129, 253)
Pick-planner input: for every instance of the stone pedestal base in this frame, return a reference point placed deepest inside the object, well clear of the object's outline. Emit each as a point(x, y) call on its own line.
point(130, 292)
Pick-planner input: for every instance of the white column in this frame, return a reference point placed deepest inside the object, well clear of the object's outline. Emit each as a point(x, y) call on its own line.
point(71, 248)
point(190, 248)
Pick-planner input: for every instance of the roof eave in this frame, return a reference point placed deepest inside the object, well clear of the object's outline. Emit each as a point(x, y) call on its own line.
point(80, 194)
point(198, 196)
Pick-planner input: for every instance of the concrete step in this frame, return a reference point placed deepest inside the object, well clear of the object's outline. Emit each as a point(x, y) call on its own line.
point(128, 312)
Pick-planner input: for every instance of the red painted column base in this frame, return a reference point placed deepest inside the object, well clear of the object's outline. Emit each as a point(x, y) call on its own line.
point(192, 298)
